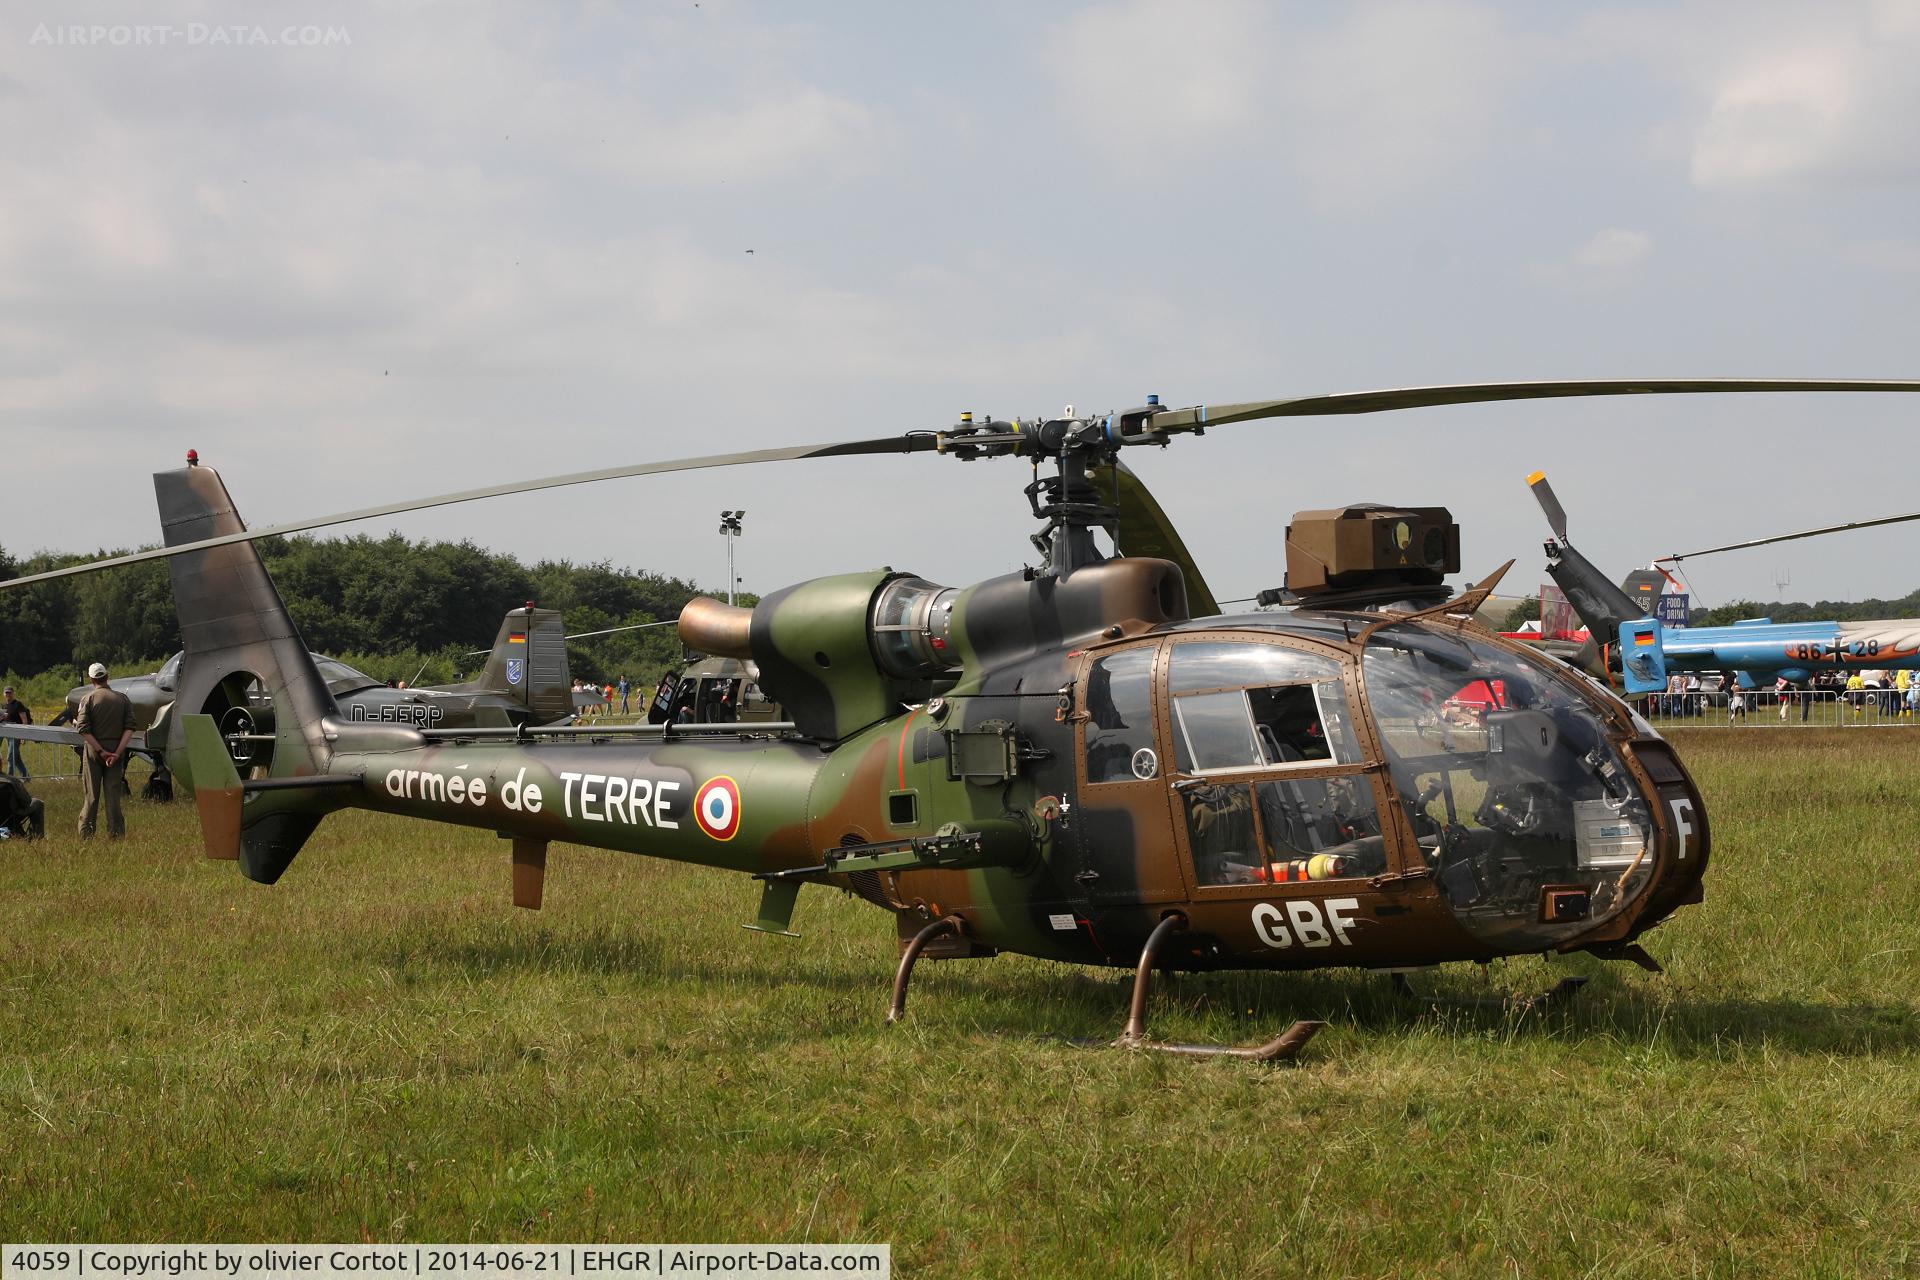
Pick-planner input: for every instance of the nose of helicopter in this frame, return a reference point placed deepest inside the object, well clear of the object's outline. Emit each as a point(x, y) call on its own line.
point(1548, 820)
point(1682, 836)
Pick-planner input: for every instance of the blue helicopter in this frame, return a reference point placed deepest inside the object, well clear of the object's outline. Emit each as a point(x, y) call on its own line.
point(1644, 651)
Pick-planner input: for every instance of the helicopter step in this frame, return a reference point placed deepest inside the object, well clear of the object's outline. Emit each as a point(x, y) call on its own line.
point(1559, 993)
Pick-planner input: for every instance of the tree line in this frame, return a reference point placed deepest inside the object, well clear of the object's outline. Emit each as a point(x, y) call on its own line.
point(394, 607)
point(1873, 610)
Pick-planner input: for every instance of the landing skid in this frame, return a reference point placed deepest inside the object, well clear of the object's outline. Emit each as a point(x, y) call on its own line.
point(904, 975)
point(1558, 994)
point(1279, 1049)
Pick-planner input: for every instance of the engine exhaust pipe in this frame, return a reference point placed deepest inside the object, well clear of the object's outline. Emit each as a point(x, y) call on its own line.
point(721, 630)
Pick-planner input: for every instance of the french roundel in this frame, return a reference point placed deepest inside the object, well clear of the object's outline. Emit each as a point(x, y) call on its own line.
point(716, 807)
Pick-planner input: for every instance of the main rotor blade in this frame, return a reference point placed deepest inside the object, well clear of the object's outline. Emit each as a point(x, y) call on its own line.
point(1556, 514)
point(1145, 530)
point(1486, 392)
point(913, 443)
point(1789, 537)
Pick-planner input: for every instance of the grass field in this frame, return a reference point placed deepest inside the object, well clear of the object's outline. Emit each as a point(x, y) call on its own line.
point(382, 1048)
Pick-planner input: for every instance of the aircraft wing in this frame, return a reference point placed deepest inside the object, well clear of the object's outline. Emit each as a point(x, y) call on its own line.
point(61, 737)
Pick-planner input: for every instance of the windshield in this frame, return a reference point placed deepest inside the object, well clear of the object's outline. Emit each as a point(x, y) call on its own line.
point(340, 677)
point(1523, 808)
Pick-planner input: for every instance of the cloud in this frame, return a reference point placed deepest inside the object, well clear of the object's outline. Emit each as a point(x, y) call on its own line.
point(1889, 255)
point(1154, 73)
point(1614, 249)
point(1604, 260)
point(1787, 94)
point(1383, 98)
point(1847, 112)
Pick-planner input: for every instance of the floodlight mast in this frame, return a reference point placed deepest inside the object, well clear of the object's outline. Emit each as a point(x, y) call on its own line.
point(730, 527)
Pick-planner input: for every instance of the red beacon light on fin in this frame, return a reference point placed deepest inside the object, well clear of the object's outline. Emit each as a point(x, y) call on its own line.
point(193, 457)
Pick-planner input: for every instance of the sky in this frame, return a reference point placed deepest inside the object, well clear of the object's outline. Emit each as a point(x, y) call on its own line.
point(357, 253)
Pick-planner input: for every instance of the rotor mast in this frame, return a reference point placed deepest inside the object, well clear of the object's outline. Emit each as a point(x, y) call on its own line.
point(1067, 501)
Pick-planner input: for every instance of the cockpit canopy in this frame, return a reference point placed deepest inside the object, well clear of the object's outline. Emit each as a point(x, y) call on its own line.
point(1519, 797)
point(340, 677)
point(1283, 754)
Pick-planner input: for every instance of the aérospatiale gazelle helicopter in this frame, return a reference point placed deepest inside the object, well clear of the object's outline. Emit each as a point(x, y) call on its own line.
point(1060, 762)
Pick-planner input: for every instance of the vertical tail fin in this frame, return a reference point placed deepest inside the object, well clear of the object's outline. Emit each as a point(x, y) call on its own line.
point(246, 668)
point(529, 664)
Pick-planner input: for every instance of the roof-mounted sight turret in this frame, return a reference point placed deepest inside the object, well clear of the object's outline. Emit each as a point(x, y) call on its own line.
point(1366, 553)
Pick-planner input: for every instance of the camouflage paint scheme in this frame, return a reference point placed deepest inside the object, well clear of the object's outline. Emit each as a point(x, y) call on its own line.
point(1059, 866)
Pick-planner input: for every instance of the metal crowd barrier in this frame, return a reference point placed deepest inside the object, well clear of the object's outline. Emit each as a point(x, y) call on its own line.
point(1765, 709)
point(51, 762)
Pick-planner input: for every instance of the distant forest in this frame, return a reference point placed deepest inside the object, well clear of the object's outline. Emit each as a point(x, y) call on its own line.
point(395, 608)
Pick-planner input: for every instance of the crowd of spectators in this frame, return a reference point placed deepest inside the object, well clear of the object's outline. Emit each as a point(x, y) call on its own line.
point(1887, 694)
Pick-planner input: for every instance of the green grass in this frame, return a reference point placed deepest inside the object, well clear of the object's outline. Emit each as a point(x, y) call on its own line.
point(382, 1048)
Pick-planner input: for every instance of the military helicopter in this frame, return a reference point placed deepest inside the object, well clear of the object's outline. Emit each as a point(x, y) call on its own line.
point(712, 690)
point(1063, 761)
point(1641, 652)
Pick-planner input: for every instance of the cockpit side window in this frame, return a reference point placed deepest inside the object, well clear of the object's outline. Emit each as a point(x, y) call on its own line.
point(1245, 706)
point(1119, 724)
point(1247, 716)
point(1214, 731)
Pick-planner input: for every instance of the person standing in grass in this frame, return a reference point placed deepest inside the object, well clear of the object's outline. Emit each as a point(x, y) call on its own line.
point(625, 691)
point(14, 711)
point(106, 716)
